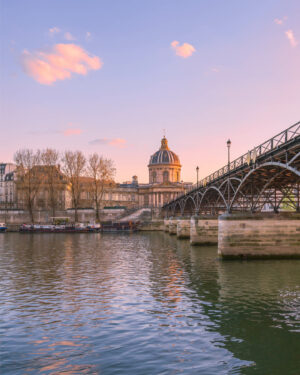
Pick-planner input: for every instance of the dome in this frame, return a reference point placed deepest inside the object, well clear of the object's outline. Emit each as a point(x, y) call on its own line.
point(164, 155)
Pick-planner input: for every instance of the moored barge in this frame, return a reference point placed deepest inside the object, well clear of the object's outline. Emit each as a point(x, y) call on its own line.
point(69, 228)
point(3, 227)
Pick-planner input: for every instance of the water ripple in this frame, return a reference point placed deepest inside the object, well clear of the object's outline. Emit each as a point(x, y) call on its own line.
point(143, 304)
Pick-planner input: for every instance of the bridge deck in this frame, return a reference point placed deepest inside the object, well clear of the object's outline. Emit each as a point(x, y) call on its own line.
point(275, 163)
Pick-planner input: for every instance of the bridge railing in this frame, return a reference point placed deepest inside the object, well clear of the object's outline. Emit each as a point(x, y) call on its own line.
point(278, 140)
point(271, 144)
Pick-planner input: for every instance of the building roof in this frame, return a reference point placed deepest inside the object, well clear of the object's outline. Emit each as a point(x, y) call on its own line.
point(164, 155)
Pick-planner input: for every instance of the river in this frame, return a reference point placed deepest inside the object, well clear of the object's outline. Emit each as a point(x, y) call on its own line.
point(143, 304)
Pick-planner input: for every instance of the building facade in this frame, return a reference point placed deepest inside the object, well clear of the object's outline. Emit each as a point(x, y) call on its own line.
point(164, 185)
point(8, 197)
point(164, 178)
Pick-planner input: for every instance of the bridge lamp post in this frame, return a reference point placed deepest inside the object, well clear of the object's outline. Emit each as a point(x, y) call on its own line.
point(228, 147)
point(197, 170)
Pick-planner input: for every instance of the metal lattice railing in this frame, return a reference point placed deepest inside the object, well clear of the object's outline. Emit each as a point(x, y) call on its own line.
point(259, 151)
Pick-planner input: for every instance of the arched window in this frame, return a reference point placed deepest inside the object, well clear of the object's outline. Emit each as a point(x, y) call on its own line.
point(178, 177)
point(154, 177)
point(165, 176)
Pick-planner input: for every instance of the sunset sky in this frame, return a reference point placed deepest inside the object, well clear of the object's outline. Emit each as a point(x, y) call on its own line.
point(110, 76)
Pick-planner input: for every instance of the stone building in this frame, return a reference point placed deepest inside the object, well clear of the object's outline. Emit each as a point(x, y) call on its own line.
point(164, 178)
point(164, 185)
point(49, 188)
point(7, 185)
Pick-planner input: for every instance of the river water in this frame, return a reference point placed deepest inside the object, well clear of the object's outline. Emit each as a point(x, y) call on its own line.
point(143, 304)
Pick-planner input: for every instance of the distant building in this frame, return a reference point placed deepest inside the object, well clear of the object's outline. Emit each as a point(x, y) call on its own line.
point(164, 178)
point(7, 185)
point(164, 185)
point(44, 180)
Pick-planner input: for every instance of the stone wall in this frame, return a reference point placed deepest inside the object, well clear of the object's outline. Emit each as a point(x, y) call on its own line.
point(166, 225)
point(17, 217)
point(183, 228)
point(259, 235)
point(173, 225)
point(204, 230)
point(153, 225)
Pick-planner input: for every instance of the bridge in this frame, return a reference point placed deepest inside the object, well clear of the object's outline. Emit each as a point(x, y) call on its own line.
point(261, 183)
point(266, 176)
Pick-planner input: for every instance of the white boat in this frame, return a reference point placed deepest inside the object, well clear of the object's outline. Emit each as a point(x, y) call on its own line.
point(3, 227)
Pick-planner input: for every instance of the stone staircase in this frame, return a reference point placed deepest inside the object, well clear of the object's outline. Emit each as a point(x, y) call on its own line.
point(141, 214)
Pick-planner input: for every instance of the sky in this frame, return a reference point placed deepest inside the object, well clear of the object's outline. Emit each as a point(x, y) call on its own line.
point(112, 76)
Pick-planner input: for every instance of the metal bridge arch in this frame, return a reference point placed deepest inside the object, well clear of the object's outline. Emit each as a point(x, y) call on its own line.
point(209, 189)
point(283, 168)
point(188, 199)
point(264, 178)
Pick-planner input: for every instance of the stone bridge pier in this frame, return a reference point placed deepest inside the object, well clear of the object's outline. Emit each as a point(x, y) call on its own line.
point(172, 225)
point(166, 225)
point(204, 230)
point(183, 227)
point(259, 235)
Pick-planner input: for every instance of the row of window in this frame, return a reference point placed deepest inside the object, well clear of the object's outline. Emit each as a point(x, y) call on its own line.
point(166, 177)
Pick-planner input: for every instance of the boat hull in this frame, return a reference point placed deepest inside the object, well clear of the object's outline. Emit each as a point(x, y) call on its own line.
point(57, 229)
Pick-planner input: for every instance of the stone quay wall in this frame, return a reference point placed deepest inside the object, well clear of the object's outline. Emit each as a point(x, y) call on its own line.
point(183, 228)
point(153, 225)
point(261, 235)
point(204, 230)
point(14, 218)
point(166, 225)
point(173, 225)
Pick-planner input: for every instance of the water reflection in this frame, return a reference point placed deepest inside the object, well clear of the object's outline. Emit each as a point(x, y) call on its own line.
point(143, 304)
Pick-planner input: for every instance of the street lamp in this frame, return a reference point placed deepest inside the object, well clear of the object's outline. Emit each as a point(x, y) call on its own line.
point(197, 170)
point(228, 187)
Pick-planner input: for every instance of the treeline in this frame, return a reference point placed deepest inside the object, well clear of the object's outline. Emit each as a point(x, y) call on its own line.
point(50, 170)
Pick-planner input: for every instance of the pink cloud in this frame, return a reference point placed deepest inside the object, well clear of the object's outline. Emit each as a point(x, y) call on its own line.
point(68, 36)
point(71, 131)
point(115, 142)
point(279, 21)
point(59, 63)
point(54, 30)
point(291, 37)
point(185, 50)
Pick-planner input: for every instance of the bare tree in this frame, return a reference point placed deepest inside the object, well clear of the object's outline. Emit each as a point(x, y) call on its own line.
point(102, 172)
point(53, 177)
point(29, 177)
point(74, 167)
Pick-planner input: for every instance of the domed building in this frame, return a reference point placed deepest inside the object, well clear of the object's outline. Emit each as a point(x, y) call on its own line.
point(164, 178)
point(164, 185)
point(164, 165)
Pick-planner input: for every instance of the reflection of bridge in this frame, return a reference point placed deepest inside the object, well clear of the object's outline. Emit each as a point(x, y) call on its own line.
point(259, 197)
point(268, 175)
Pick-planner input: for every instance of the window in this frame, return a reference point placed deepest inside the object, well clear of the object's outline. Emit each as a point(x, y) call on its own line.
point(165, 176)
point(154, 177)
